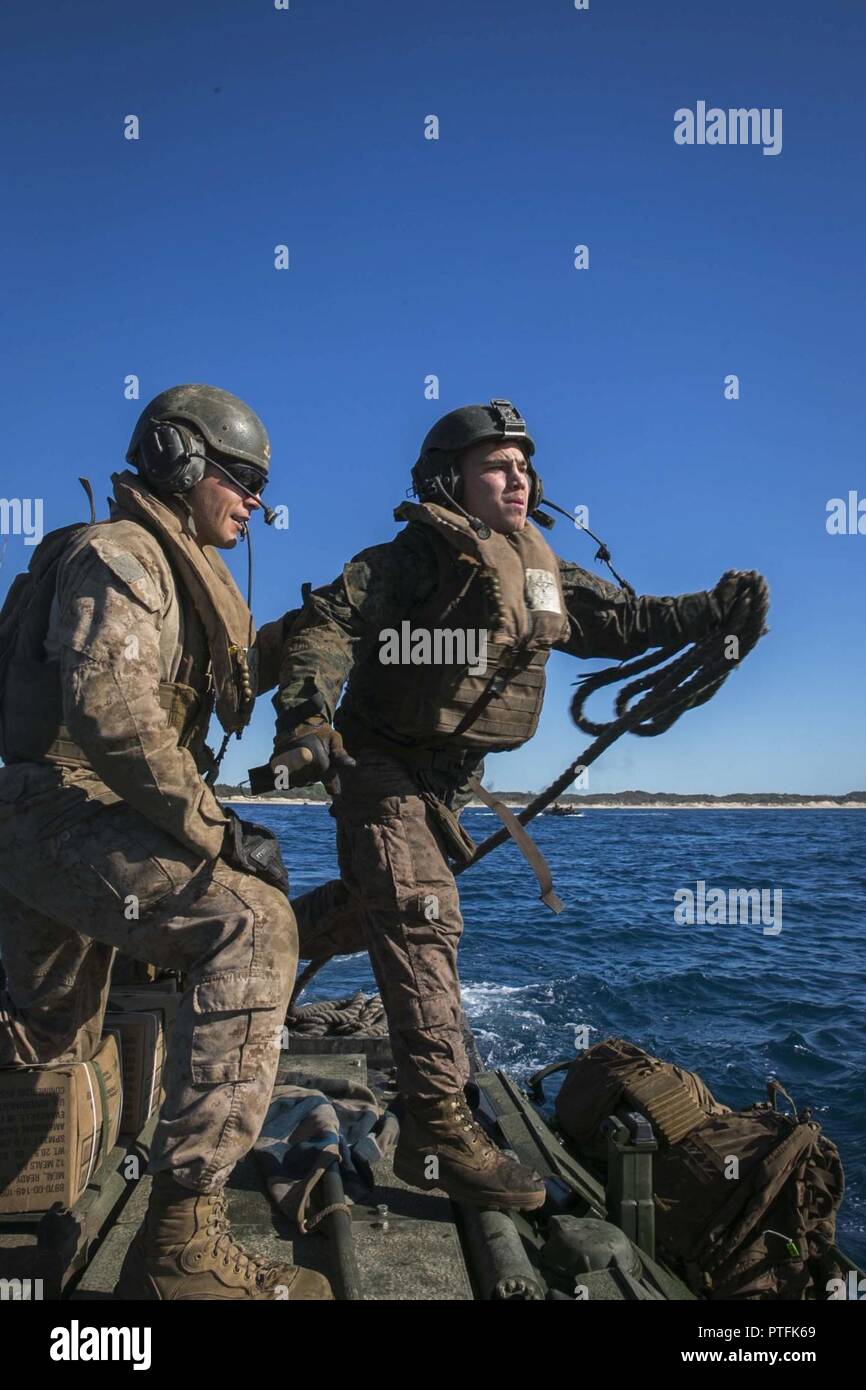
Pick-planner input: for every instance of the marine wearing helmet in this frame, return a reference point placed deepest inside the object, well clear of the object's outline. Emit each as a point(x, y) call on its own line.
point(398, 743)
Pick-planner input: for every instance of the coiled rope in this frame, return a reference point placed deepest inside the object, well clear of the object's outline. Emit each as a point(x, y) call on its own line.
point(667, 692)
point(336, 1018)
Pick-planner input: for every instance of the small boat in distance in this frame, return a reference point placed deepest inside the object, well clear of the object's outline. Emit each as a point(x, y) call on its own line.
point(560, 809)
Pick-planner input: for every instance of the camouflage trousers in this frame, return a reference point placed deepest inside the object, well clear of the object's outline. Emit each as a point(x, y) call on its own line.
point(394, 866)
point(82, 873)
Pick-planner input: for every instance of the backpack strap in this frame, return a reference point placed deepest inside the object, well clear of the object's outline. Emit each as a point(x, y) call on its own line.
point(186, 713)
point(88, 489)
point(667, 1102)
point(776, 1089)
point(765, 1181)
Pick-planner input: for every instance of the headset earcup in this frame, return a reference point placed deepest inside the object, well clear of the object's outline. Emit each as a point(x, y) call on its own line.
point(536, 492)
point(153, 456)
point(171, 457)
point(192, 471)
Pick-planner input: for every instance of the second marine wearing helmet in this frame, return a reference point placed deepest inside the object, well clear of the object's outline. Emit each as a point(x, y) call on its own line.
point(409, 733)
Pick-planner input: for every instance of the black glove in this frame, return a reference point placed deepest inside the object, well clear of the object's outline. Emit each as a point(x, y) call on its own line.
point(734, 594)
point(312, 752)
point(255, 849)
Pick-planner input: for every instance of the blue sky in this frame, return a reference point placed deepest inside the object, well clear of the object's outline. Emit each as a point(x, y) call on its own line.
point(454, 257)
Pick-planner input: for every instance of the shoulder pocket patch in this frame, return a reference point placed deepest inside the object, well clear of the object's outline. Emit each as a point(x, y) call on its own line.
point(132, 573)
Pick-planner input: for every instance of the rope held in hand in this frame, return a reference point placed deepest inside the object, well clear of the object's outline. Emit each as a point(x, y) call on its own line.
point(667, 692)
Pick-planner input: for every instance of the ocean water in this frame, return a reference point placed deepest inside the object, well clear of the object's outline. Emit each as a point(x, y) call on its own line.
point(731, 1001)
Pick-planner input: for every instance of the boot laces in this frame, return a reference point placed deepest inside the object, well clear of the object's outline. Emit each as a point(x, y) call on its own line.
point(225, 1244)
point(470, 1125)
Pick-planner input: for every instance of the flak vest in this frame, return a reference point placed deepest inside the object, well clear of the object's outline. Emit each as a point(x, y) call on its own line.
point(506, 589)
point(204, 642)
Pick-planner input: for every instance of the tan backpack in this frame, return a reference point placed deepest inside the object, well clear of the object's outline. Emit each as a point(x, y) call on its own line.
point(746, 1200)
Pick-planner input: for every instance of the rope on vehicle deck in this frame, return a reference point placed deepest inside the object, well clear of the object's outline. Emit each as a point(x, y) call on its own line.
point(358, 1015)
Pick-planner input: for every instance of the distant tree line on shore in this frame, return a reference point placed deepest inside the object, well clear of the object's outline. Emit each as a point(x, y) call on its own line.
point(628, 798)
point(316, 793)
point(639, 798)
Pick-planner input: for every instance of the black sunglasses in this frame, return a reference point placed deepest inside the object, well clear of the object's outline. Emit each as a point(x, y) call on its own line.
point(252, 480)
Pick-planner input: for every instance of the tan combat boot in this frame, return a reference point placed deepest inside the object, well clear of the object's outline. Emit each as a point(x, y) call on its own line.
point(442, 1145)
point(185, 1250)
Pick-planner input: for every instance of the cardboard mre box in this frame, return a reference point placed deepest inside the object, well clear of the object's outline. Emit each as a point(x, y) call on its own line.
point(122, 999)
point(57, 1125)
point(142, 1055)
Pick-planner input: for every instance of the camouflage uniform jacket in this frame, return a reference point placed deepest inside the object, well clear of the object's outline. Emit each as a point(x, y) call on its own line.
point(119, 626)
point(340, 624)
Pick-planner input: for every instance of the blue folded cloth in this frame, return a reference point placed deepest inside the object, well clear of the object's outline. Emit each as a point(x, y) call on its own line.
point(306, 1131)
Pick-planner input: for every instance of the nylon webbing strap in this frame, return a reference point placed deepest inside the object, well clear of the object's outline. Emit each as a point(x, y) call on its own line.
point(666, 1101)
point(520, 657)
point(530, 851)
point(64, 748)
point(88, 490)
point(178, 701)
point(103, 1100)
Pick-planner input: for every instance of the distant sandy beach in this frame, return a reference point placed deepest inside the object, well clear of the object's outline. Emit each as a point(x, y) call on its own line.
point(816, 805)
point(278, 800)
point(733, 806)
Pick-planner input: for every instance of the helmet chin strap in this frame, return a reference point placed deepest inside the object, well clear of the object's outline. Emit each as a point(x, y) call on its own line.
point(245, 535)
point(185, 505)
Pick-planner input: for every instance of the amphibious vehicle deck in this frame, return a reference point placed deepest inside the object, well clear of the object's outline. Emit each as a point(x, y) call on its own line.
point(394, 1243)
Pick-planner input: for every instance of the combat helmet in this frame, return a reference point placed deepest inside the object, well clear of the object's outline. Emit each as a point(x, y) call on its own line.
point(437, 470)
point(181, 429)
